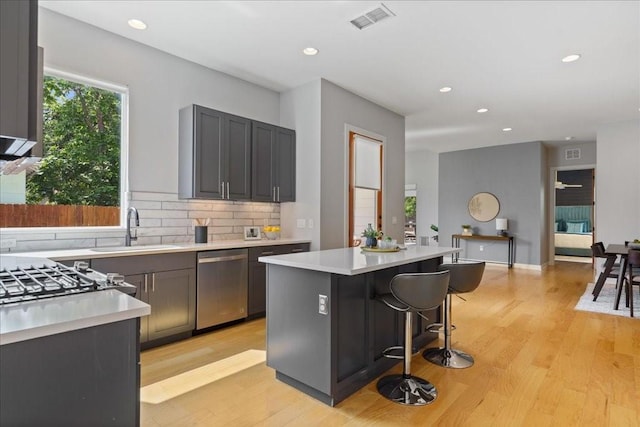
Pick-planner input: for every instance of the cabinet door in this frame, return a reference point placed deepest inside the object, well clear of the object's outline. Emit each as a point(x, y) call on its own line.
point(237, 167)
point(285, 167)
point(141, 282)
point(172, 296)
point(257, 294)
point(262, 184)
point(257, 301)
point(19, 69)
point(209, 153)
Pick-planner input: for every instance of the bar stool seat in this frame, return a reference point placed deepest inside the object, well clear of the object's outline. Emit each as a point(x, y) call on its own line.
point(464, 277)
point(411, 293)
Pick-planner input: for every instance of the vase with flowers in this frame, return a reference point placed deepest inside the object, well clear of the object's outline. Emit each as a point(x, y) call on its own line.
point(372, 236)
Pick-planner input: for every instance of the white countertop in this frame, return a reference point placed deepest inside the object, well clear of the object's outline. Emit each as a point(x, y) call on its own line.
point(39, 318)
point(352, 261)
point(108, 252)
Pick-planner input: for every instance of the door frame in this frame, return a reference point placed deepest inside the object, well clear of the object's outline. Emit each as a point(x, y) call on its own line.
point(552, 206)
point(348, 171)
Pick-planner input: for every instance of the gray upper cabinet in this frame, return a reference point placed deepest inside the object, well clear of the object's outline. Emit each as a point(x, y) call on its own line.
point(273, 158)
point(214, 155)
point(18, 71)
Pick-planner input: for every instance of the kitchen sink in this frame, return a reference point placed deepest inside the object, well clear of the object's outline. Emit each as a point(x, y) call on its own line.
point(133, 248)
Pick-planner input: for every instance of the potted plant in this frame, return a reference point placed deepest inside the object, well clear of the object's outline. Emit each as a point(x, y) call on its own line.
point(466, 230)
point(372, 236)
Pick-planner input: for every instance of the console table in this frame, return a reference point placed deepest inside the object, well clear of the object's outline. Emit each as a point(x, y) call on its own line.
point(455, 242)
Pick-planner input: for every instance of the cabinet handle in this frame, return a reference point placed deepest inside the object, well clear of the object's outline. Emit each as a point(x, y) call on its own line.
point(296, 250)
point(153, 282)
point(227, 190)
point(267, 253)
point(274, 194)
point(146, 280)
point(278, 193)
point(222, 189)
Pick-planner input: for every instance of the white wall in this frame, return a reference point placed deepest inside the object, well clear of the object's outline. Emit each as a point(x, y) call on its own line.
point(618, 182)
point(422, 170)
point(159, 84)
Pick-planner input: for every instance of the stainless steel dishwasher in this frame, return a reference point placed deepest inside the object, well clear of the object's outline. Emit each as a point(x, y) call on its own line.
point(221, 287)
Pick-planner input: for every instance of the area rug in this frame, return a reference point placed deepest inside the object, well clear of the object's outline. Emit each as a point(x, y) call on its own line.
point(604, 303)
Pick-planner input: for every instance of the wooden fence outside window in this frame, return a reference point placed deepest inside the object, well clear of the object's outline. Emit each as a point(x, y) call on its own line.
point(58, 216)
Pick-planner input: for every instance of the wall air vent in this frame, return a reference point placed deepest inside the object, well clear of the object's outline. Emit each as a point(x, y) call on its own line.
point(372, 17)
point(572, 154)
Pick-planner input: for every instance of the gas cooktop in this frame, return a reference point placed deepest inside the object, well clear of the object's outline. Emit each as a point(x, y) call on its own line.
point(28, 279)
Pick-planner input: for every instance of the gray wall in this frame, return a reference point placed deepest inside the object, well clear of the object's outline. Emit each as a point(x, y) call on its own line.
point(422, 170)
point(159, 84)
point(515, 174)
point(300, 110)
point(340, 108)
point(556, 155)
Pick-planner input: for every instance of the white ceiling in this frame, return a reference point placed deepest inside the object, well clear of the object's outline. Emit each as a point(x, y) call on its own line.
point(505, 56)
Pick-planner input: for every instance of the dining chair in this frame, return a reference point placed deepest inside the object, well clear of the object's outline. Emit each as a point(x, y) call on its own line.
point(633, 263)
point(611, 268)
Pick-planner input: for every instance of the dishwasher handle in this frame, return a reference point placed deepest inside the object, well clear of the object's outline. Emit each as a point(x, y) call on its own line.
point(222, 258)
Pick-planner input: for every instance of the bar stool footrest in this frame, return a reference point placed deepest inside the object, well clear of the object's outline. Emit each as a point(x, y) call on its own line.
point(448, 358)
point(438, 327)
point(407, 390)
point(387, 352)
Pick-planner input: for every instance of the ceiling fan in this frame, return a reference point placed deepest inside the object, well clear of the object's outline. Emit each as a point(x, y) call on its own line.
point(561, 186)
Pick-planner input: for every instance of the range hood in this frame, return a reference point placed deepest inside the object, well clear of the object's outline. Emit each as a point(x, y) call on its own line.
point(17, 147)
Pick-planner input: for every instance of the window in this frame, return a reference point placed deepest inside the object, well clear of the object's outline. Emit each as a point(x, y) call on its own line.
point(75, 178)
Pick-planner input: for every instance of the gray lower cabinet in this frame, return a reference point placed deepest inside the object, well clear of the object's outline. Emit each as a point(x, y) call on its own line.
point(167, 282)
point(84, 377)
point(273, 163)
point(257, 295)
point(214, 155)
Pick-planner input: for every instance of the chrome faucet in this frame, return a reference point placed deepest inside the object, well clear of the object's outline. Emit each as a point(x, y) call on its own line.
point(128, 237)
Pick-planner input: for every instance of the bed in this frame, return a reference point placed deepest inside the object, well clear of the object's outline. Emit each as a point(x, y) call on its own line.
point(573, 230)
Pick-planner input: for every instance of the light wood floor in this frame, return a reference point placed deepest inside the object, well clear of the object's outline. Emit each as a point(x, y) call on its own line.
point(538, 363)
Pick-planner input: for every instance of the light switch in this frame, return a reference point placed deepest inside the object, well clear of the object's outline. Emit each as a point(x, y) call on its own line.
point(310, 223)
point(394, 220)
point(302, 223)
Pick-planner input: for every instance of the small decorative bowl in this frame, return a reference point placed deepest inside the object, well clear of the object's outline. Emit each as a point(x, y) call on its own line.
point(634, 245)
point(271, 235)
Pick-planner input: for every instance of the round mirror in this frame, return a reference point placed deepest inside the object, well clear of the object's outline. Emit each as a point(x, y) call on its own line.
point(484, 207)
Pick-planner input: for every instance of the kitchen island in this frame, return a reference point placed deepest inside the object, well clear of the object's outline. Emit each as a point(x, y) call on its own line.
point(325, 329)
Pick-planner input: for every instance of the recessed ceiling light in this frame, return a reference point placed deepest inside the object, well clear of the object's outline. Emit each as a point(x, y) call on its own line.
point(571, 58)
point(137, 24)
point(310, 51)
point(506, 129)
point(482, 110)
point(568, 138)
point(445, 89)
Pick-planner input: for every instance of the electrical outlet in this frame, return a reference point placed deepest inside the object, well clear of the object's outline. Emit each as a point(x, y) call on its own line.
point(310, 223)
point(7, 243)
point(481, 248)
point(394, 220)
point(323, 304)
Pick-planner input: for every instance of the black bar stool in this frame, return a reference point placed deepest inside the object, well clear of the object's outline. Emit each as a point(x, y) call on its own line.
point(465, 277)
point(411, 293)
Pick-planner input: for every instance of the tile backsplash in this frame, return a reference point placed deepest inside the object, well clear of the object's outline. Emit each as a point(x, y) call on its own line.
point(164, 219)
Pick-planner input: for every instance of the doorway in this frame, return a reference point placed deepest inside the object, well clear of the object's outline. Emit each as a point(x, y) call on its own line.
point(573, 214)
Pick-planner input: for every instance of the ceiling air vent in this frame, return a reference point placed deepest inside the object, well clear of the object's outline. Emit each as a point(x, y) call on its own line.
point(572, 154)
point(372, 17)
